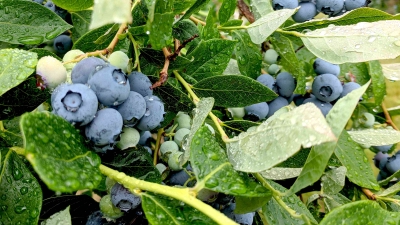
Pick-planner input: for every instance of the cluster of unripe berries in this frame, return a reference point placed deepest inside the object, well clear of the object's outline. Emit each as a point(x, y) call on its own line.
point(310, 8)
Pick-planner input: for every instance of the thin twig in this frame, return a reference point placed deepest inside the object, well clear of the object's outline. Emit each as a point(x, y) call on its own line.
point(173, 56)
point(164, 72)
point(197, 21)
point(244, 10)
point(368, 193)
point(389, 120)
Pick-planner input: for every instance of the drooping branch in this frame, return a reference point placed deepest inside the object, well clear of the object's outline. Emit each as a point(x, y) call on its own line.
point(245, 11)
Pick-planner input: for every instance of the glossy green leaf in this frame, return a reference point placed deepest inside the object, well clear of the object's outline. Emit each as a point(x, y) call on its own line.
point(391, 68)
point(11, 135)
point(23, 98)
point(74, 5)
point(289, 61)
point(355, 43)
point(390, 178)
point(15, 66)
point(210, 58)
point(378, 81)
point(333, 180)
point(226, 11)
point(81, 21)
point(194, 8)
point(392, 190)
point(358, 70)
point(261, 149)
point(267, 24)
point(280, 173)
point(248, 55)
point(203, 108)
point(213, 170)
point(20, 192)
point(248, 204)
point(185, 29)
point(232, 23)
point(117, 11)
point(57, 153)
point(319, 156)
point(63, 217)
point(376, 137)
point(363, 14)
point(161, 24)
point(275, 214)
point(210, 30)
point(361, 212)
point(333, 201)
point(182, 5)
point(233, 90)
point(44, 52)
point(160, 210)
point(28, 23)
point(260, 8)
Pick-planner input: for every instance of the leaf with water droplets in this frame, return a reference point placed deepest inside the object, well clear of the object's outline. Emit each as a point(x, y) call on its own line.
point(333, 180)
point(213, 170)
point(266, 25)
point(117, 11)
point(378, 80)
point(232, 68)
point(390, 178)
point(57, 153)
point(333, 201)
point(81, 22)
point(280, 173)
point(226, 11)
point(161, 210)
point(376, 137)
point(75, 5)
point(275, 141)
point(355, 43)
point(200, 113)
point(160, 24)
point(392, 190)
point(20, 192)
point(210, 30)
point(361, 212)
point(319, 156)
point(15, 66)
point(260, 8)
point(29, 23)
point(391, 68)
point(61, 218)
point(233, 90)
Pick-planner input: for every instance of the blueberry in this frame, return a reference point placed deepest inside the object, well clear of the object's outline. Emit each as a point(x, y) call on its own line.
point(327, 87)
point(140, 83)
point(50, 72)
point(285, 84)
point(129, 138)
point(179, 177)
point(38, 1)
point(183, 120)
point(120, 60)
point(284, 4)
point(96, 218)
point(276, 104)
point(237, 112)
point(86, 68)
point(330, 7)
point(174, 161)
point(271, 56)
point(367, 120)
point(76, 103)
point(259, 110)
point(110, 85)
point(382, 163)
point(123, 198)
point(180, 135)
point(321, 67)
point(299, 99)
point(273, 69)
point(133, 109)
point(105, 127)
point(244, 219)
point(355, 4)
point(154, 114)
point(379, 157)
point(62, 44)
point(69, 56)
point(382, 175)
point(349, 87)
point(306, 12)
point(393, 164)
point(145, 137)
point(267, 80)
point(50, 5)
point(325, 107)
point(169, 147)
point(382, 148)
point(228, 211)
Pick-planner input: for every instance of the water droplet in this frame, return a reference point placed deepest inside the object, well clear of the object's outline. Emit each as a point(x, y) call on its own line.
point(4, 207)
point(371, 39)
point(23, 190)
point(397, 43)
point(357, 46)
point(19, 209)
point(31, 40)
point(17, 174)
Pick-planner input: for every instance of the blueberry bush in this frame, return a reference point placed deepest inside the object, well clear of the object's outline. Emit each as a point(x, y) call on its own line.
point(198, 112)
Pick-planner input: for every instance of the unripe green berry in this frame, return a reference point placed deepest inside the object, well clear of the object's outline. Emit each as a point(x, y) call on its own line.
point(129, 138)
point(179, 135)
point(120, 60)
point(271, 56)
point(367, 120)
point(69, 56)
point(237, 113)
point(108, 209)
point(273, 69)
point(174, 161)
point(183, 120)
point(51, 72)
point(168, 146)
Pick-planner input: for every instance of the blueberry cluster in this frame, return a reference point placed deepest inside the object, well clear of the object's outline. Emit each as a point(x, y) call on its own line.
point(386, 164)
point(310, 8)
point(103, 100)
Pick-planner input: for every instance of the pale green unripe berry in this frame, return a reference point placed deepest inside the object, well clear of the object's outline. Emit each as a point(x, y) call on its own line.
point(108, 209)
point(169, 146)
point(69, 56)
point(271, 56)
point(367, 120)
point(129, 138)
point(237, 113)
point(180, 134)
point(183, 120)
point(161, 167)
point(120, 60)
point(174, 161)
point(273, 69)
point(51, 72)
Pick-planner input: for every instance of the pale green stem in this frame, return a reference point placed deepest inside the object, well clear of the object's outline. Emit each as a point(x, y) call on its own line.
point(293, 33)
point(137, 53)
point(386, 199)
point(18, 150)
point(182, 194)
point(134, 4)
point(232, 28)
point(2, 126)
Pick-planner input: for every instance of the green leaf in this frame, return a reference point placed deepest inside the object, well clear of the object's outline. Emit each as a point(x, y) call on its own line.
point(194, 8)
point(390, 178)
point(62, 217)
point(173, 96)
point(135, 162)
point(248, 54)
point(363, 14)
point(275, 214)
point(361, 212)
point(81, 21)
point(23, 98)
point(74, 5)
point(182, 5)
point(86, 43)
point(161, 210)
point(375, 137)
point(56, 151)
point(333, 180)
point(203, 108)
point(41, 52)
point(280, 173)
point(355, 43)
point(290, 61)
point(248, 204)
point(161, 24)
point(232, 23)
point(210, 58)
point(391, 68)
point(15, 66)
point(392, 190)
point(213, 170)
point(117, 11)
point(226, 11)
point(233, 90)
point(378, 81)
point(20, 192)
point(266, 25)
point(210, 30)
point(319, 156)
point(334, 201)
point(140, 14)
point(358, 70)
point(185, 29)
point(260, 8)
point(238, 126)
point(262, 148)
point(28, 23)
point(11, 135)
point(232, 68)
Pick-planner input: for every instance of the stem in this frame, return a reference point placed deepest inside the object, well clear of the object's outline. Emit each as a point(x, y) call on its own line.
point(388, 118)
point(18, 150)
point(196, 21)
point(2, 126)
point(244, 9)
point(396, 201)
point(113, 43)
point(137, 53)
point(264, 182)
point(232, 28)
point(181, 194)
point(293, 33)
point(134, 4)
point(158, 141)
point(187, 87)
point(369, 193)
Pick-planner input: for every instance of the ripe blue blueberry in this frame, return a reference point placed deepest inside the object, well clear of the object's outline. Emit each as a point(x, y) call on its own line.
point(330, 7)
point(145, 137)
point(285, 84)
point(393, 164)
point(379, 157)
point(62, 44)
point(96, 218)
point(86, 68)
point(244, 219)
point(267, 80)
point(140, 83)
point(50, 5)
point(259, 110)
point(349, 87)
point(321, 67)
point(277, 104)
point(355, 4)
point(306, 12)
point(382, 148)
point(284, 4)
point(133, 109)
point(123, 198)
point(154, 114)
point(327, 87)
